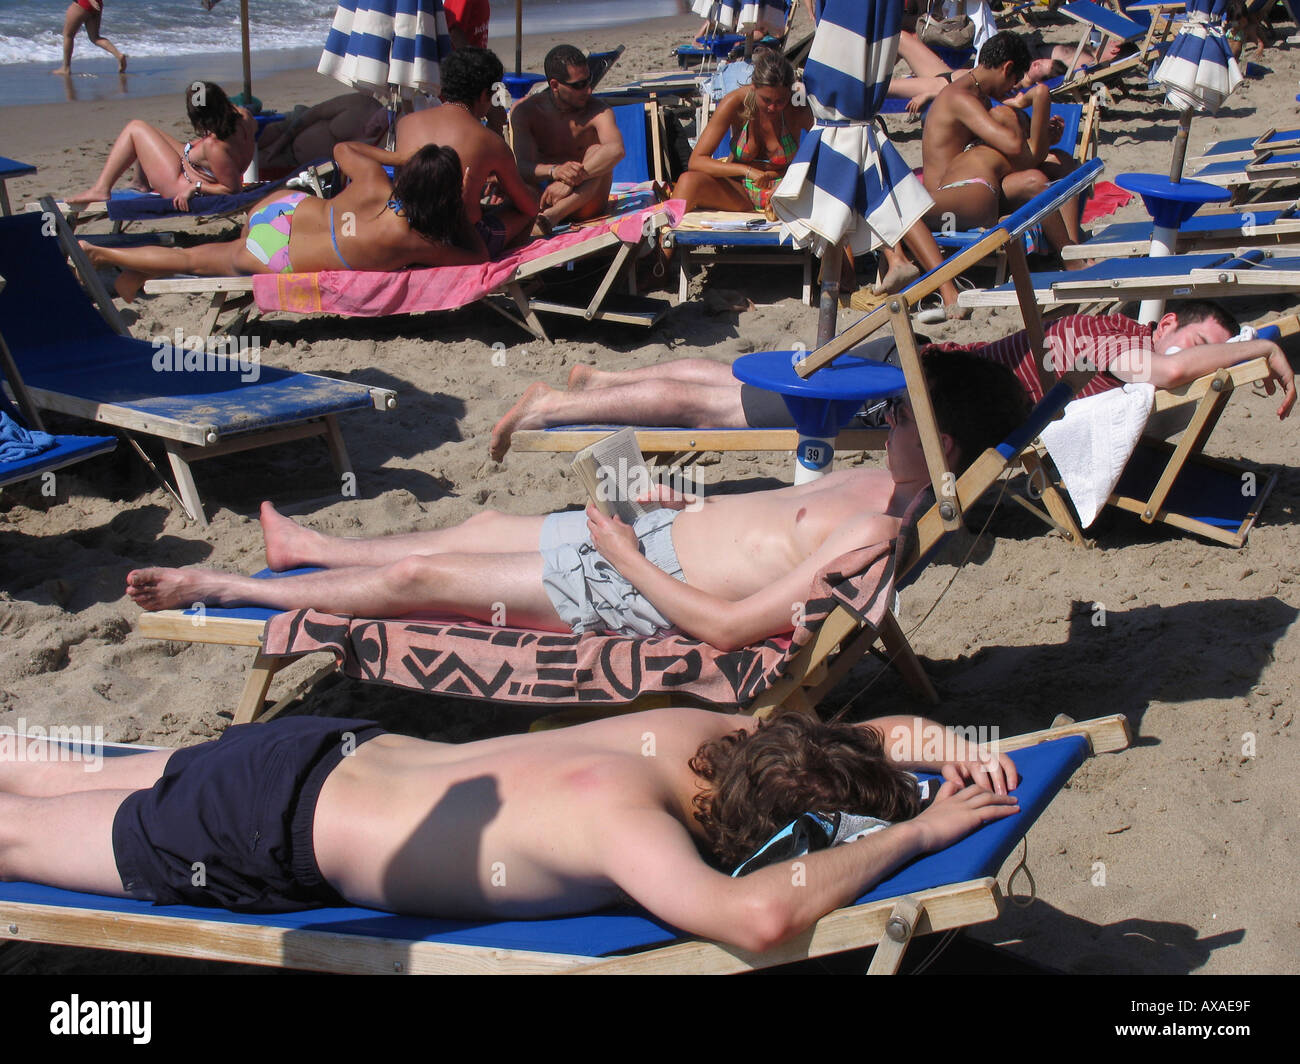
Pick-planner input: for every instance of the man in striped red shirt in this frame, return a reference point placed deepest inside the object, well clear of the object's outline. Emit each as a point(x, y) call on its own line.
point(1188, 342)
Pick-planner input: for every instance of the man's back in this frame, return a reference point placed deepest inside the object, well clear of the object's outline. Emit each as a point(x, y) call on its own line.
point(483, 153)
point(511, 826)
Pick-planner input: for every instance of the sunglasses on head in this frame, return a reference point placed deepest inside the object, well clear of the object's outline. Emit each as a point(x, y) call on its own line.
point(577, 86)
point(885, 410)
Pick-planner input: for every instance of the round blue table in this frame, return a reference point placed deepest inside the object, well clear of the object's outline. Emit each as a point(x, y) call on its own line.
point(822, 404)
point(1170, 203)
point(518, 85)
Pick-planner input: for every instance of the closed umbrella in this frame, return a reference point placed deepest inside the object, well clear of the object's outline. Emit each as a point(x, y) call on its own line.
point(848, 187)
point(1198, 73)
point(389, 48)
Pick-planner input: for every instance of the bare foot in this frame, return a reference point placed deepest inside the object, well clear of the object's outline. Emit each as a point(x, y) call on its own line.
point(128, 285)
point(91, 195)
point(94, 253)
point(288, 544)
point(956, 312)
point(523, 415)
point(898, 278)
point(167, 589)
point(65, 71)
point(582, 377)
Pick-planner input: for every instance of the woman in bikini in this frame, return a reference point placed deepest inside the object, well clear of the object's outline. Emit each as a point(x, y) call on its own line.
point(213, 163)
point(417, 219)
point(86, 13)
point(765, 128)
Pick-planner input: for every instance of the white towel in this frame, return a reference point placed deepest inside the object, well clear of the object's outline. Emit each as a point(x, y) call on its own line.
point(1093, 442)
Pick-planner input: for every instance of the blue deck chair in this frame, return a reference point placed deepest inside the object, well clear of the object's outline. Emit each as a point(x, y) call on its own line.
point(1248, 177)
point(746, 239)
point(1201, 232)
point(1211, 275)
point(72, 361)
point(953, 888)
point(11, 168)
point(708, 50)
point(65, 450)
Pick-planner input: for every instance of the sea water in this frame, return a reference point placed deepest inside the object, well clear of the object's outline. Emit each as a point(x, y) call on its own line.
point(170, 40)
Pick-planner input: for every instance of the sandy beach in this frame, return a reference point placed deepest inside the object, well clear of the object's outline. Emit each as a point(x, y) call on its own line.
point(1177, 856)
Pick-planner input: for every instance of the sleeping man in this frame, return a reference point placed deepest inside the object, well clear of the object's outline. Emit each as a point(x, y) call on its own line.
point(727, 571)
point(520, 826)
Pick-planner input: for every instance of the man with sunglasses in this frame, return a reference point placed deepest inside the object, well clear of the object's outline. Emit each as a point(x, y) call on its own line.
point(567, 141)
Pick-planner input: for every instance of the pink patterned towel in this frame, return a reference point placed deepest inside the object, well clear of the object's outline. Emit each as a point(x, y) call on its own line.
point(373, 293)
point(514, 665)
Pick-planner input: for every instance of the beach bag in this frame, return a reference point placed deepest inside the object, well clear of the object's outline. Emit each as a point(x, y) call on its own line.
point(934, 29)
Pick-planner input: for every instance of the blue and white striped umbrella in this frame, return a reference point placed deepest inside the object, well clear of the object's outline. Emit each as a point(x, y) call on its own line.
point(848, 185)
point(1198, 72)
point(732, 13)
point(379, 46)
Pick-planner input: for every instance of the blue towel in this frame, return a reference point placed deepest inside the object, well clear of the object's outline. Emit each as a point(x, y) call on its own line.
point(17, 443)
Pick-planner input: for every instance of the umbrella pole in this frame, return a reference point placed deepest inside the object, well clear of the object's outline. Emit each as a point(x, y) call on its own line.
point(828, 308)
point(1180, 146)
point(519, 37)
point(248, 62)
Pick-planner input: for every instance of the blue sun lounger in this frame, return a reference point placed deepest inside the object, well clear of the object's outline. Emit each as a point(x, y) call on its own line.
point(1200, 233)
point(1212, 275)
point(11, 168)
point(200, 404)
point(66, 450)
point(1238, 148)
point(950, 889)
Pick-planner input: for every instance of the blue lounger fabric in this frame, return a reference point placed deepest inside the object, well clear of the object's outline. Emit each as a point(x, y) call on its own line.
point(1044, 769)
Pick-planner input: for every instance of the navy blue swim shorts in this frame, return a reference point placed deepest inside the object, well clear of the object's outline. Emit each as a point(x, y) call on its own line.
point(229, 823)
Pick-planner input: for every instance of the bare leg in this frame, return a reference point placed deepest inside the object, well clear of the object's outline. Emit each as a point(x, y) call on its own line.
point(64, 841)
point(920, 242)
point(98, 39)
point(687, 370)
point(586, 201)
point(901, 272)
point(206, 260)
point(158, 154)
point(702, 191)
point(42, 775)
point(72, 22)
point(924, 63)
point(289, 545)
point(479, 586)
point(645, 402)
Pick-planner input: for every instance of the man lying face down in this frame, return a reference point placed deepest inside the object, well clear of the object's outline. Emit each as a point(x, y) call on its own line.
point(726, 570)
point(646, 806)
point(1189, 341)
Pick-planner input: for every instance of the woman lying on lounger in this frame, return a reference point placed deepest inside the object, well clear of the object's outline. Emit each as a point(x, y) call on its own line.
point(374, 224)
point(213, 163)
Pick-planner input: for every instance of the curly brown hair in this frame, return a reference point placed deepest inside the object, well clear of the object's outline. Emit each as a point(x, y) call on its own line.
point(755, 783)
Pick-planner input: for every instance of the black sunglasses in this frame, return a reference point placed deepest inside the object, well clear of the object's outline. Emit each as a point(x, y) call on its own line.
point(577, 86)
point(886, 409)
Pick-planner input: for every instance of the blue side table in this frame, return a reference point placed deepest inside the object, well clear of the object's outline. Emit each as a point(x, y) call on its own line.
point(824, 403)
point(1170, 204)
point(518, 85)
point(11, 168)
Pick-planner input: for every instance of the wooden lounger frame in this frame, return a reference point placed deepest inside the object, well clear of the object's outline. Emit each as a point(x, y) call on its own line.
point(890, 924)
point(234, 295)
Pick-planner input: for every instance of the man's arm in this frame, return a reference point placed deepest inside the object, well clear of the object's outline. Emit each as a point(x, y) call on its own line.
point(610, 151)
point(651, 857)
point(722, 623)
point(921, 745)
point(1003, 137)
point(518, 191)
point(1143, 365)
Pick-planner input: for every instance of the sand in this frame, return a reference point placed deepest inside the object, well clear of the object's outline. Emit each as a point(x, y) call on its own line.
point(1169, 858)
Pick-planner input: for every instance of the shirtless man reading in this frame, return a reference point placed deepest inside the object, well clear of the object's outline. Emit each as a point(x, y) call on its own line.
point(981, 161)
point(726, 572)
point(469, 77)
point(568, 138)
point(581, 818)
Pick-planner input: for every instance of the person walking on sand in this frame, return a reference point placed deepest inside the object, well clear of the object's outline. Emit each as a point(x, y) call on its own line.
point(86, 13)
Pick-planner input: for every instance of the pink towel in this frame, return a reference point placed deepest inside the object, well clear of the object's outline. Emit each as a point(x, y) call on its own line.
point(371, 293)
